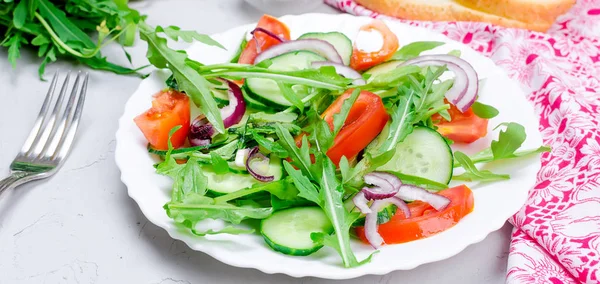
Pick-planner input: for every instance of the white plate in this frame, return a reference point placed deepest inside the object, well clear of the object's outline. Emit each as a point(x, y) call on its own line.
point(494, 202)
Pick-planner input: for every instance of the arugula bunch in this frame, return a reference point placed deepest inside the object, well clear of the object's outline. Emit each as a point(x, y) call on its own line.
point(62, 29)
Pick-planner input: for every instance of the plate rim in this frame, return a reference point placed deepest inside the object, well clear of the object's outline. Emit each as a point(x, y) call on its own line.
point(493, 225)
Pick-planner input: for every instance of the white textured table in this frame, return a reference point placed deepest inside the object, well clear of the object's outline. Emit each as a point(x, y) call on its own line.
point(81, 227)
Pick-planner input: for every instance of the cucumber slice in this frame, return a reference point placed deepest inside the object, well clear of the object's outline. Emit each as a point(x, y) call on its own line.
point(424, 153)
point(251, 102)
point(221, 96)
point(340, 41)
point(267, 92)
point(234, 181)
point(288, 231)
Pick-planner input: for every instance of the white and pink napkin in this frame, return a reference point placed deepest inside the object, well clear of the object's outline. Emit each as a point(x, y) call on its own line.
point(557, 233)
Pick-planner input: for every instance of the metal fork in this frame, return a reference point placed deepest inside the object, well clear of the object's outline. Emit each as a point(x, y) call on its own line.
point(52, 135)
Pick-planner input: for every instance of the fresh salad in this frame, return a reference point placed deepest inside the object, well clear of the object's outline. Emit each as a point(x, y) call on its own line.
point(318, 140)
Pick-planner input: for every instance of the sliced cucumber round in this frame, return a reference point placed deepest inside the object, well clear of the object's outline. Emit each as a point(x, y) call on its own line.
point(340, 41)
point(252, 103)
point(424, 153)
point(288, 231)
point(221, 96)
point(220, 184)
point(267, 92)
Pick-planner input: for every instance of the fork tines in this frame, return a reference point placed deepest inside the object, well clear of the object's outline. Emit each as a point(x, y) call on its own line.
point(54, 131)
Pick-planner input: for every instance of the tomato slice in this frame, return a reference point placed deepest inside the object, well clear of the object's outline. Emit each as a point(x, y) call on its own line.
point(169, 109)
point(425, 221)
point(366, 119)
point(464, 127)
point(362, 60)
point(261, 41)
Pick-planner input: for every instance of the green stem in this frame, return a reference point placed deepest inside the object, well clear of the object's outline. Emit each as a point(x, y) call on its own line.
point(237, 194)
point(436, 110)
point(204, 206)
point(62, 44)
point(55, 37)
point(223, 66)
point(303, 100)
point(278, 77)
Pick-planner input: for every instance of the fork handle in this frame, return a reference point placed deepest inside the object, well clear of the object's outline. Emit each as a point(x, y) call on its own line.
point(11, 181)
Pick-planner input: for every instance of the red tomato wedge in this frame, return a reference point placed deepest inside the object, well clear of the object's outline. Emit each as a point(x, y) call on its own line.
point(169, 109)
point(366, 119)
point(464, 127)
point(362, 60)
point(261, 41)
point(425, 221)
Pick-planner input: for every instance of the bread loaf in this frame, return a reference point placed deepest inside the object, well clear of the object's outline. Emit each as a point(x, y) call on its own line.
point(537, 15)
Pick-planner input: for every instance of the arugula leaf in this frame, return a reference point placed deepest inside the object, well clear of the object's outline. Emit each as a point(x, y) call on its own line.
point(226, 230)
point(345, 169)
point(100, 63)
point(195, 85)
point(508, 141)
point(331, 196)
point(14, 46)
point(402, 123)
point(218, 164)
point(190, 179)
point(285, 117)
point(300, 156)
point(484, 111)
point(270, 146)
point(369, 163)
point(283, 189)
point(20, 14)
point(280, 204)
point(486, 155)
point(195, 207)
point(172, 83)
point(65, 30)
point(289, 94)
point(415, 49)
point(306, 189)
point(175, 33)
point(241, 48)
point(474, 174)
point(392, 77)
point(322, 135)
point(340, 118)
point(419, 181)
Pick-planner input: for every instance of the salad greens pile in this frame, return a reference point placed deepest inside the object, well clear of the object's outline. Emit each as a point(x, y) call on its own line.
point(62, 29)
point(413, 96)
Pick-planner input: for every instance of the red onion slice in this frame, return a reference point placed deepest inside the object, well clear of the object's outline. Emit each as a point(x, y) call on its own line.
point(234, 111)
point(466, 82)
point(201, 131)
point(385, 185)
point(371, 219)
point(360, 201)
point(410, 192)
point(255, 154)
point(343, 70)
point(267, 32)
point(320, 47)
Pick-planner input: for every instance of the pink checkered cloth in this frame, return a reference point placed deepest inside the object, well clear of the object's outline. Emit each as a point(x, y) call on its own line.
point(557, 233)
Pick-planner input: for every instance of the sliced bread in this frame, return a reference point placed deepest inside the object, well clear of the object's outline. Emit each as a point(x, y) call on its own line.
point(523, 10)
point(450, 10)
